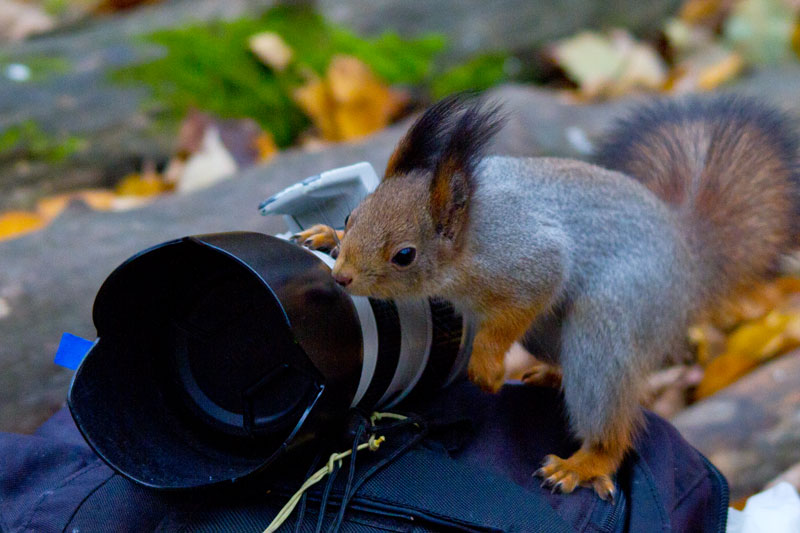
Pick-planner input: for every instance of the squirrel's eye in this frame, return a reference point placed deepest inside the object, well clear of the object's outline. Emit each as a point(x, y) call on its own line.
point(346, 219)
point(405, 256)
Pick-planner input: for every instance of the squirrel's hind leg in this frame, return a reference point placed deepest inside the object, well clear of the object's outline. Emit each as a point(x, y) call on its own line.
point(604, 369)
point(543, 374)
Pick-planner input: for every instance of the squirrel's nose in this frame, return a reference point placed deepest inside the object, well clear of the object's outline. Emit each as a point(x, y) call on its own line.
point(342, 279)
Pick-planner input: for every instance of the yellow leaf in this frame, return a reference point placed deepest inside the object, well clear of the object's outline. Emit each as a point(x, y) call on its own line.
point(796, 37)
point(709, 342)
point(16, 223)
point(316, 101)
point(706, 68)
point(52, 206)
point(725, 70)
point(698, 11)
point(349, 102)
point(141, 185)
point(748, 346)
point(98, 199)
point(266, 147)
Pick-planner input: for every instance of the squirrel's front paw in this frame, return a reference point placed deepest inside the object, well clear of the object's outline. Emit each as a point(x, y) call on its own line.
point(319, 237)
point(488, 375)
point(579, 469)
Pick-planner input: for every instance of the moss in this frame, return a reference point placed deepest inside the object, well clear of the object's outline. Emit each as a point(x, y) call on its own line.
point(27, 139)
point(477, 74)
point(210, 66)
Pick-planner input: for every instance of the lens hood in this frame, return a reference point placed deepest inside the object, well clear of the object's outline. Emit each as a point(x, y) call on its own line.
point(216, 356)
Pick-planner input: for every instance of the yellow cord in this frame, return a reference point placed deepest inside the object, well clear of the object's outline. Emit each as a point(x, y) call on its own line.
point(373, 444)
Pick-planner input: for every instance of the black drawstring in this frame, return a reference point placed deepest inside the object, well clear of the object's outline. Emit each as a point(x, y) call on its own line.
point(350, 491)
point(362, 426)
point(301, 512)
point(325, 495)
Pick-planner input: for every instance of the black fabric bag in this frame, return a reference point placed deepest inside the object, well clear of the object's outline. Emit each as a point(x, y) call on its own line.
point(472, 471)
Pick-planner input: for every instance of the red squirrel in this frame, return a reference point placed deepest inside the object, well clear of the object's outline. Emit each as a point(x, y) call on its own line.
point(689, 202)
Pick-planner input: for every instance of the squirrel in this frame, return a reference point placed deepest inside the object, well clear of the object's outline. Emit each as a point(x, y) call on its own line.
point(687, 203)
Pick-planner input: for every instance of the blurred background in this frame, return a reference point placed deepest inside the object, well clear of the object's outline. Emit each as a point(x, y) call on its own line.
point(124, 123)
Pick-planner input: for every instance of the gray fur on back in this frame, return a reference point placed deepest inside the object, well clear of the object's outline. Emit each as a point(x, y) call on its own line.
point(624, 280)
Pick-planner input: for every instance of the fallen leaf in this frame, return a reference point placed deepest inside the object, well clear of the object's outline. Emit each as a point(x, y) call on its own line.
point(761, 29)
point(266, 147)
point(99, 199)
point(136, 184)
point(19, 20)
point(271, 49)
point(709, 342)
point(749, 345)
point(705, 12)
point(315, 100)
point(725, 69)
point(705, 69)
point(350, 102)
point(111, 6)
point(667, 390)
point(209, 165)
point(609, 65)
point(52, 206)
point(796, 37)
point(14, 224)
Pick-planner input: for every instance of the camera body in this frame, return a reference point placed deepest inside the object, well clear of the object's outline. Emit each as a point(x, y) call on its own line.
point(221, 355)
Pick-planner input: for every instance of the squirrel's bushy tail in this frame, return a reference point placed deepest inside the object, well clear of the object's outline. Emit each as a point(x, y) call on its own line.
point(729, 166)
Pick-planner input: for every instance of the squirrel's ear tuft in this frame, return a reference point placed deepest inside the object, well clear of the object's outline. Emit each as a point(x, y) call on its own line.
point(422, 145)
point(454, 174)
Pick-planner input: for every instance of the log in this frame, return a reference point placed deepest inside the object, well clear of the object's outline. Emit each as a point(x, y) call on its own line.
point(49, 278)
point(751, 429)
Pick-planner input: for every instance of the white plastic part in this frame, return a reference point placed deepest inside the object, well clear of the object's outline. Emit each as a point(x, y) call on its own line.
point(369, 335)
point(416, 335)
point(775, 510)
point(326, 198)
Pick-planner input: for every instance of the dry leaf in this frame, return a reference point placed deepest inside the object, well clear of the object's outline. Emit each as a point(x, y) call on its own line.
point(610, 65)
point(136, 184)
point(709, 342)
point(748, 346)
point(350, 102)
point(271, 50)
point(266, 147)
point(99, 199)
point(708, 13)
point(705, 69)
point(667, 390)
point(18, 20)
point(796, 37)
point(14, 224)
point(211, 164)
point(315, 100)
point(761, 30)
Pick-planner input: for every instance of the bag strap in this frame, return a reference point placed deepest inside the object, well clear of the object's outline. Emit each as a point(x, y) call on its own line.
point(433, 487)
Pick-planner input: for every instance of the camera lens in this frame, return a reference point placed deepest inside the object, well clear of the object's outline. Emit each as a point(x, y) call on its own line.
point(218, 355)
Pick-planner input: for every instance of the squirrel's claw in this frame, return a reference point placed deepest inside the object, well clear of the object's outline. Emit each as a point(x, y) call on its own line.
point(543, 374)
point(565, 475)
point(318, 237)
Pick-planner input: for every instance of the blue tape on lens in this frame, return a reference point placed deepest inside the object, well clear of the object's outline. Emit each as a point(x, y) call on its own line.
point(72, 350)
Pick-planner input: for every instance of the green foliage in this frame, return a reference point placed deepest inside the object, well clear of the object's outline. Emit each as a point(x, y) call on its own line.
point(210, 66)
point(28, 138)
point(477, 74)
